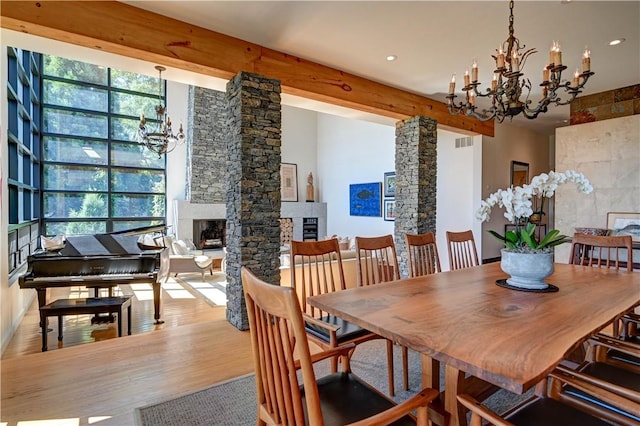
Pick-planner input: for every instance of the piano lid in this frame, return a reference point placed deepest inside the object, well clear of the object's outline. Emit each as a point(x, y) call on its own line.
point(100, 244)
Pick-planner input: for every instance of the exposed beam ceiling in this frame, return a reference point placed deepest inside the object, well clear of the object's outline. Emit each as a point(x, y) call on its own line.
point(125, 30)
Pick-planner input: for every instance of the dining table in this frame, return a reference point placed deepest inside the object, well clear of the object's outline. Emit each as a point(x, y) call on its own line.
point(484, 334)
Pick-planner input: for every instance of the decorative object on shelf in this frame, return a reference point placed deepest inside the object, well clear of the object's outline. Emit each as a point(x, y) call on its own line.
point(389, 209)
point(365, 200)
point(509, 81)
point(624, 224)
point(523, 239)
point(288, 182)
point(600, 232)
point(390, 184)
point(160, 140)
point(310, 191)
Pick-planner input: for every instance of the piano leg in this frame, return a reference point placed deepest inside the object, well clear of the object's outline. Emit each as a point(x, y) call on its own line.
point(156, 302)
point(42, 300)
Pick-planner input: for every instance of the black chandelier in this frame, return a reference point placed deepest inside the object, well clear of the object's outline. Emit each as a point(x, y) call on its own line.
point(160, 140)
point(509, 81)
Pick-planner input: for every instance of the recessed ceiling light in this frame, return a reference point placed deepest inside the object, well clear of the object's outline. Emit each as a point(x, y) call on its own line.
point(616, 41)
point(391, 58)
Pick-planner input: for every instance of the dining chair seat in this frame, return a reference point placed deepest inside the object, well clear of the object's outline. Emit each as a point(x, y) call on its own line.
point(553, 405)
point(547, 411)
point(356, 400)
point(346, 333)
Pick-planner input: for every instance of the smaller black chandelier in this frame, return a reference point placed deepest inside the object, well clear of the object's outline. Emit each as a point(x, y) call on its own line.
point(160, 140)
point(509, 81)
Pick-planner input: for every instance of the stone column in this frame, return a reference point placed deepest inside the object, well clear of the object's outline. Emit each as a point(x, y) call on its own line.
point(253, 195)
point(416, 167)
point(207, 154)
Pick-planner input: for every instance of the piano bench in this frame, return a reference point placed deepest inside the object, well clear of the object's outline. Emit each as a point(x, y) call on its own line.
point(89, 305)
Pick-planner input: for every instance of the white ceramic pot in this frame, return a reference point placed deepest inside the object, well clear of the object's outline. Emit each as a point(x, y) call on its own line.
point(527, 270)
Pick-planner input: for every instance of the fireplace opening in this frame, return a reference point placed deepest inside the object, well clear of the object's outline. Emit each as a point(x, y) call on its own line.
point(210, 233)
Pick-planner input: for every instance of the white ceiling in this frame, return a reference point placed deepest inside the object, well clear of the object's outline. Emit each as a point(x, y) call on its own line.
point(432, 39)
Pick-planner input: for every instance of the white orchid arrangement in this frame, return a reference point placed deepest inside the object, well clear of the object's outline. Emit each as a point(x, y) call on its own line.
point(518, 209)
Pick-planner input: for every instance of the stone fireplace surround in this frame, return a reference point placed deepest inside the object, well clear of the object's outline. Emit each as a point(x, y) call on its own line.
point(185, 212)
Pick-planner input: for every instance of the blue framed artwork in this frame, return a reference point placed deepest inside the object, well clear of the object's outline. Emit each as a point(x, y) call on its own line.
point(365, 199)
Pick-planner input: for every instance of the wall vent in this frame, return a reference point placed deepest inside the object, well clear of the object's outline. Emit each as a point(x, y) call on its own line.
point(462, 142)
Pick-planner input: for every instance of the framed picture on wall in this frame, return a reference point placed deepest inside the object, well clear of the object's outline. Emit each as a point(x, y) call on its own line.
point(519, 173)
point(364, 199)
point(288, 182)
point(389, 184)
point(389, 209)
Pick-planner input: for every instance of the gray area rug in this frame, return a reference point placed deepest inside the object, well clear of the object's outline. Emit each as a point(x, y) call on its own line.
point(233, 403)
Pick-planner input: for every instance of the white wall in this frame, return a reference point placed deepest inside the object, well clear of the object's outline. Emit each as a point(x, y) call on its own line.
point(177, 100)
point(351, 151)
point(459, 188)
point(300, 144)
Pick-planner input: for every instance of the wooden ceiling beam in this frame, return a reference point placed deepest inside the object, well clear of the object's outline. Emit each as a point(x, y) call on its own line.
point(118, 28)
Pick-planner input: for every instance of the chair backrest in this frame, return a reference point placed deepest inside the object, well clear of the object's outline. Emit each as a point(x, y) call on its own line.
point(376, 260)
point(602, 251)
point(278, 340)
point(316, 268)
point(422, 254)
point(462, 250)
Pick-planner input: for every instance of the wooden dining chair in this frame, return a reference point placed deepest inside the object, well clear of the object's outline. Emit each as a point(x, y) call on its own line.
point(422, 254)
point(318, 270)
point(462, 250)
point(377, 262)
point(280, 349)
point(613, 251)
point(549, 406)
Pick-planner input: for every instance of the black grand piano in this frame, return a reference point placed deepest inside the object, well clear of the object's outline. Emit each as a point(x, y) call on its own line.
point(98, 261)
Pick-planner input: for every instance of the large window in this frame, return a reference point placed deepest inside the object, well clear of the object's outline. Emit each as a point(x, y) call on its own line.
point(23, 139)
point(95, 177)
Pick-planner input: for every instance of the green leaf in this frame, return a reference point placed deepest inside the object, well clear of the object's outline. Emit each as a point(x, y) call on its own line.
point(498, 236)
point(511, 236)
point(526, 237)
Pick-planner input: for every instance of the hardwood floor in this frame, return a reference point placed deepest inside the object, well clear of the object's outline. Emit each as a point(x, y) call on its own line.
point(99, 379)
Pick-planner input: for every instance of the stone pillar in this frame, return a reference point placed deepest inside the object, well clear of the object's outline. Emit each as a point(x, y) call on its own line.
point(253, 196)
point(207, 153)
point(416, 171)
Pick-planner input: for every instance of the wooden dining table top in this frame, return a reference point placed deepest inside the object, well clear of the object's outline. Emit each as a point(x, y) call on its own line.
point(509, 338)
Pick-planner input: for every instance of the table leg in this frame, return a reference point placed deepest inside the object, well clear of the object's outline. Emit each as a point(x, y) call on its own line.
point(430, 372)
point(156, 303)
point(454, 385)
point(431, 379)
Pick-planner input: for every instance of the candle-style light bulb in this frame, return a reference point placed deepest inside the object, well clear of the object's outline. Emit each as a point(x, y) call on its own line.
point(500, 60)
point(466, 78)
point(545, 74)
point(586, 60)
point(452, 84)
point(576, 77)
point(515, 61)
point(472, 98)
point(474, 71)
point(494, 82)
